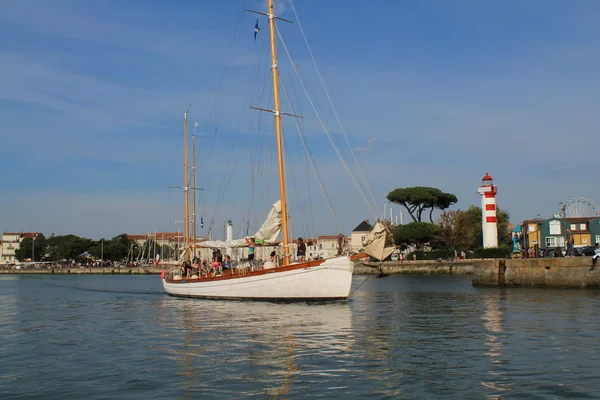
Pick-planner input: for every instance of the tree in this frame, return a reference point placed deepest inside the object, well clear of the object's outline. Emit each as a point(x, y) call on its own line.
point(457, 230)
point(67, 247)
point(420, 198)
point(473, 215)
point(114, 249)
point(25, 251)
point(417, 234)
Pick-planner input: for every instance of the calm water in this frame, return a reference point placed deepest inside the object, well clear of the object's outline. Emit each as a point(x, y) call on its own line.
point(120, 337)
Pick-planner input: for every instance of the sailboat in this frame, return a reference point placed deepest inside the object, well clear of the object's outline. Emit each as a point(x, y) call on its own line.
point(315, 280)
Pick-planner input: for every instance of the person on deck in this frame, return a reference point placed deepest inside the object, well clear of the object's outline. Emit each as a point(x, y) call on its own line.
point(251, 242)
point(301, 253)
point(227, 264)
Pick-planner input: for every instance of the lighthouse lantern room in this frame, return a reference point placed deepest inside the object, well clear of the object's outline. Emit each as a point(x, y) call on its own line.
point(489, 224)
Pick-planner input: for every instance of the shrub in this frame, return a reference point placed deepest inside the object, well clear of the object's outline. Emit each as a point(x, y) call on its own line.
point(493, 252)
point(431, 255)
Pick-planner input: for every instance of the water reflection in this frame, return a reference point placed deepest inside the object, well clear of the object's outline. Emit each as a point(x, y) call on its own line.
point(493, 320)
point(263, 342)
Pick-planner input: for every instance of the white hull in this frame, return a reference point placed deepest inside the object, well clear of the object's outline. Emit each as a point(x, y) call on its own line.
point(330, 280)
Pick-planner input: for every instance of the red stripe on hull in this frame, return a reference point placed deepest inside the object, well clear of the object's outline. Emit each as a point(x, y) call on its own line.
point(236, 275)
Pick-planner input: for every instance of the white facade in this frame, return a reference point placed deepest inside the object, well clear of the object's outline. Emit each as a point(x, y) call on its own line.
point(359, 235)
point(10, 244)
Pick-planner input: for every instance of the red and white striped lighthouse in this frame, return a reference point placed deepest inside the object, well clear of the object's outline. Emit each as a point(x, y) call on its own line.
point(489, 224)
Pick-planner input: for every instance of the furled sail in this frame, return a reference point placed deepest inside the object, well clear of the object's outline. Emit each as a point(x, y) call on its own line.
point(379, 244)
point(268, 231)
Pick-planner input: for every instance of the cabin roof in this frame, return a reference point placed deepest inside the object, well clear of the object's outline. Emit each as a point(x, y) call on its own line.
point(364, 226)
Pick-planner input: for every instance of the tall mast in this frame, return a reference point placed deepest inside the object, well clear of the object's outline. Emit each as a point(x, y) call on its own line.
point(186, 188)
point(275, 73)
point(194, 216)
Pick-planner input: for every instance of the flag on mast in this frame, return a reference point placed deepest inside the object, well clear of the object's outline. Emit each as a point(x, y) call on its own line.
point(201, 223)
point(256, 29)
point(196, 124)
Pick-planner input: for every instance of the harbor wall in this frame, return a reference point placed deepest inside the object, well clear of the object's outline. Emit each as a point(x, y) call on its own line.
point(86, 271)
point(419, 267)
point(561, 272)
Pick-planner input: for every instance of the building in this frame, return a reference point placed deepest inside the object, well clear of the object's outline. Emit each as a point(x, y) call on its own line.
point(551, 232)
point(10, 244)
point(359, 235)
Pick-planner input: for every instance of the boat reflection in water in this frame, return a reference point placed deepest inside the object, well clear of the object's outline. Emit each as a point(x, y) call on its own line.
point(269, 344)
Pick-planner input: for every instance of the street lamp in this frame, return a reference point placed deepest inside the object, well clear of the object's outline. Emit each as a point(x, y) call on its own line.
point(33, 250)
point(102, 249)
point(563, 227)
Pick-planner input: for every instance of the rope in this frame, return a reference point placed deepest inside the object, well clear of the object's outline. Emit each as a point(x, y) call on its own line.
point(360, 170)
point(327, 133)
point(242, 12)
point(312, 162)
point(366, 279)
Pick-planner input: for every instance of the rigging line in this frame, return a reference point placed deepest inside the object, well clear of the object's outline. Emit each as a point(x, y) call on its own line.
point(229, 169)
point(308, 185)
point(314, 166)
point(301, 207)
point(260, 128)
point(360, 170)
point(227, 61)
point(352, 177)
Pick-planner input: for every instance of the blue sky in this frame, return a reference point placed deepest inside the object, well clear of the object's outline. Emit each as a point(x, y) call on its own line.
point(431, 93)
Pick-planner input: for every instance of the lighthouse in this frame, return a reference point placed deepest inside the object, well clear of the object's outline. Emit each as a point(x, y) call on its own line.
point(489, 224)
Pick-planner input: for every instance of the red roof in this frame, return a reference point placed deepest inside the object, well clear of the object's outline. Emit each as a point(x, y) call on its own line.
point(13, 233)
point(30, 234)
point(487, 177)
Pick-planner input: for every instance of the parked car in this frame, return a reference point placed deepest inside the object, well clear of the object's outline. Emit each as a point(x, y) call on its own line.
point(584, 251)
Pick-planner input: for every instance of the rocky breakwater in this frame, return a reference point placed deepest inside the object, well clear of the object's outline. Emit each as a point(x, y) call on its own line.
point(561, 272)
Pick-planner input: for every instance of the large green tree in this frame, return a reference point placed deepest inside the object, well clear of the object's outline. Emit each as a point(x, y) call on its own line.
point(29, 247)
point(67, 247)
point(473, 215)
point(457, 230)
point(417, 234)
point(116, 249)
point(420, 198)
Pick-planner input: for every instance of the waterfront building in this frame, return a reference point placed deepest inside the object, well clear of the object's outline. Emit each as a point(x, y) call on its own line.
point(10, 244)
point(551, 232)
point(359, 235)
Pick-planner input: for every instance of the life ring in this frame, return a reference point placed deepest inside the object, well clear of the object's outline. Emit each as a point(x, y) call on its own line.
point(162, 274)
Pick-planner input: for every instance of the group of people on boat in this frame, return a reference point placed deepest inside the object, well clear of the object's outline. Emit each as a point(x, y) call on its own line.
point(204, 267)
point(219, 264)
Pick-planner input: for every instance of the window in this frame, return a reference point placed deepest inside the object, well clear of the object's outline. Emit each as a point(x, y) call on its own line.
point(530, 228)
point(597, 238)
point(583, 227)
point(584, 240)
point(555, 227)
point(363, 238)
point(573, 227)
point(555, 241)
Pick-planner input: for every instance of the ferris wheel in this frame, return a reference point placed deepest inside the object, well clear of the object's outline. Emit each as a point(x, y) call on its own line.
point(580, 207)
